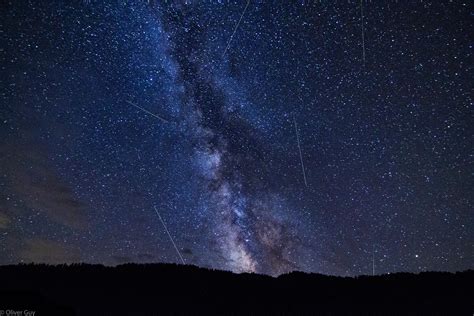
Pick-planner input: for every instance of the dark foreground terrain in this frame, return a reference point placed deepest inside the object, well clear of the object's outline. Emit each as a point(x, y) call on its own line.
point(158, 289)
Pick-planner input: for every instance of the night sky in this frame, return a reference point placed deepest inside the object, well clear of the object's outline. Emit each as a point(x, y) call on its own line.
point(269, 137)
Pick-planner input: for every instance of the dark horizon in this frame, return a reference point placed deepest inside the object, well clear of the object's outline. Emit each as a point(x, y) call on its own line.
point(170, 289)
point(193, 266)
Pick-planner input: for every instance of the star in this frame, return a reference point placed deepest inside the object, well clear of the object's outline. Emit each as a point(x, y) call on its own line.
point(310, 137)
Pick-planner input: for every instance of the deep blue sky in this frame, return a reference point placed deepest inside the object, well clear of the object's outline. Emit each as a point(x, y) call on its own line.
point(386, 143)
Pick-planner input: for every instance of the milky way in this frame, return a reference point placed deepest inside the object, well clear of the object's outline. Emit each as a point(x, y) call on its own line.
point(319, 137)
point(245, 217)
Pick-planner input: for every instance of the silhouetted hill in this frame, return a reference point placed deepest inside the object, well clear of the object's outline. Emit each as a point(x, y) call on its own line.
point(156, 289)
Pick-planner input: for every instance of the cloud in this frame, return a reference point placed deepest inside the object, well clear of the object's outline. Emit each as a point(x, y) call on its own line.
point(47, 251)
point(4, 221)
point(34, 185)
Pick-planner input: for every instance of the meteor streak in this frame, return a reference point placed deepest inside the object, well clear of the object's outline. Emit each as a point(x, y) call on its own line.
point(235, 29)
point(146, 111)
point(299, 148)
point(169, 235)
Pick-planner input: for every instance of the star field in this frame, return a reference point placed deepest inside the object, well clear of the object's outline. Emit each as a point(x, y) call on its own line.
point(111, 109)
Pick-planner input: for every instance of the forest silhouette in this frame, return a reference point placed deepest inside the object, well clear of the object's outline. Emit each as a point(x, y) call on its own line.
point(157, 289)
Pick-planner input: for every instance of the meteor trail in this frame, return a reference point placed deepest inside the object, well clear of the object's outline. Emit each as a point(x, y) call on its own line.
point(235, 29)
point(299, 148)
point(146, 111)
point(169, 235)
